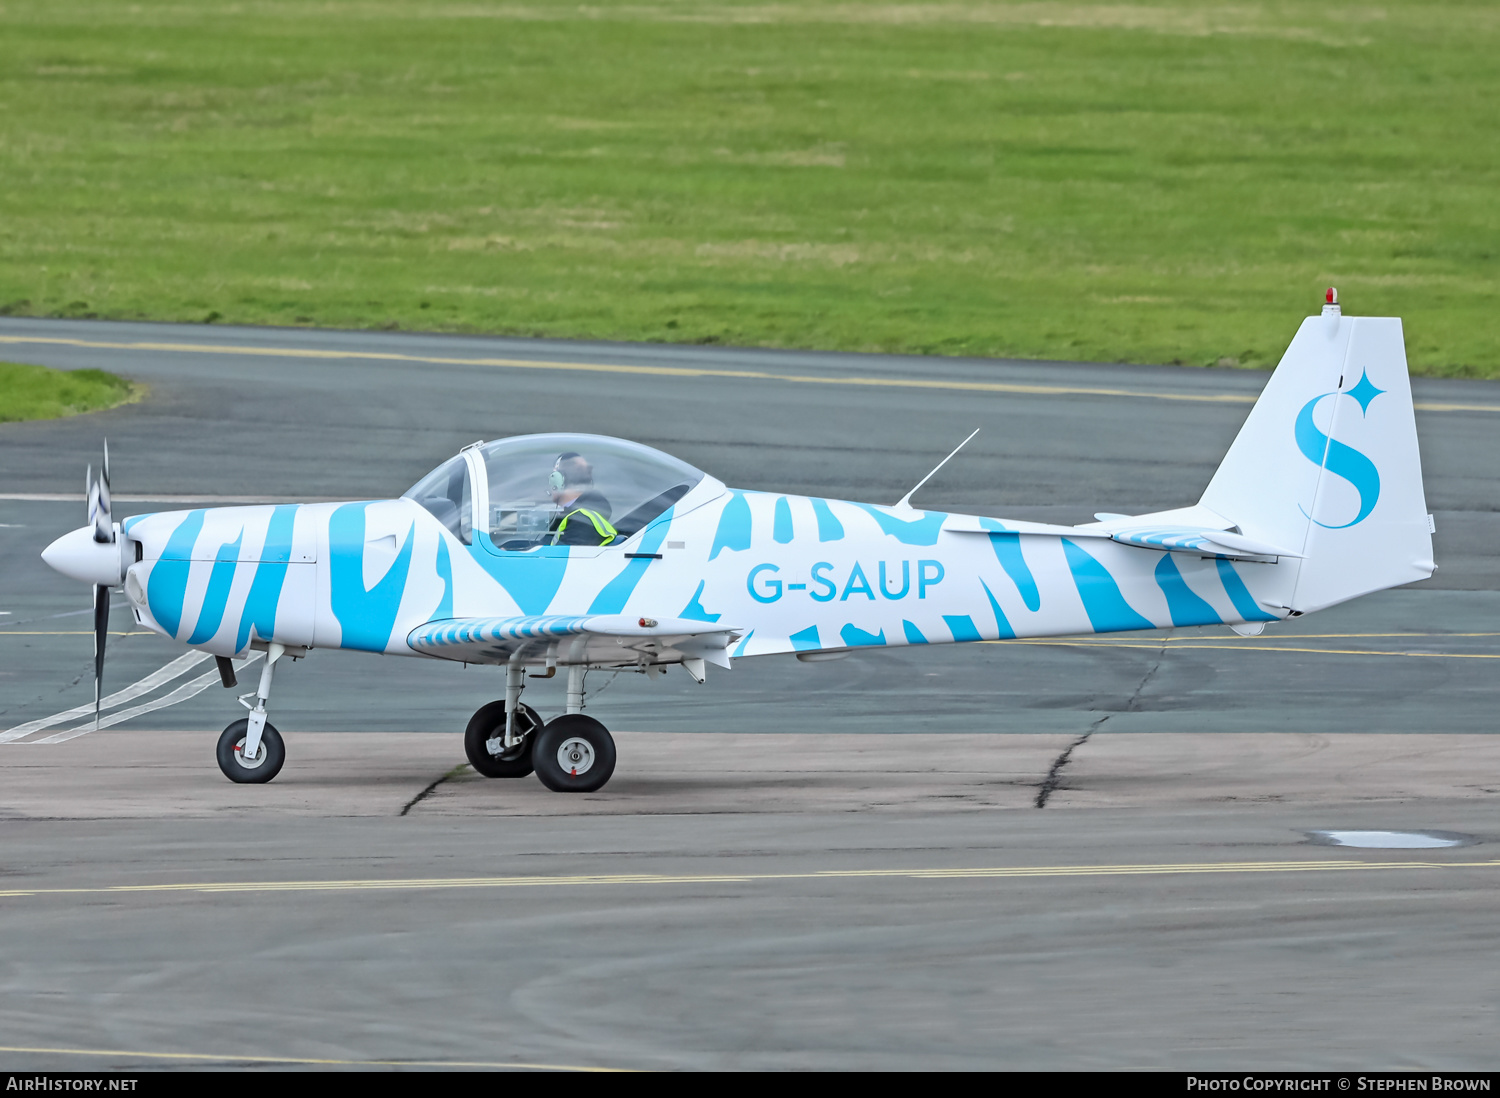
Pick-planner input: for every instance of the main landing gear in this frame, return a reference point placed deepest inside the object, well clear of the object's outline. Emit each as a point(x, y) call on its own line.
point(572, 753)
point(484, 741)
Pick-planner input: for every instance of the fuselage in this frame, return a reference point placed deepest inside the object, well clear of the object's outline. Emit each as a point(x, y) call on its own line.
point(786, 573)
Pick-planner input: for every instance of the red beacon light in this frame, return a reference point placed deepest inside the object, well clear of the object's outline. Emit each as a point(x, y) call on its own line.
point(1331, 311)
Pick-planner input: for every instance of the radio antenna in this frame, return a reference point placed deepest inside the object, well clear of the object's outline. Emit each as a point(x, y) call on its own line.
point(905, 503)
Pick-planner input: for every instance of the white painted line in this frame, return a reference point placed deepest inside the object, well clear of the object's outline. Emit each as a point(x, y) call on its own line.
point(164, 674)
point(181, 694)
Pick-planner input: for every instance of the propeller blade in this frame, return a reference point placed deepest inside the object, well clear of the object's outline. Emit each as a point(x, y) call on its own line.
point(99, 503)
point(101, 633)
point(104, 493)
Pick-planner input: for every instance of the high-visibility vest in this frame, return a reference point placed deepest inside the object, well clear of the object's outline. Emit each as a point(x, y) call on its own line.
point(606, 532)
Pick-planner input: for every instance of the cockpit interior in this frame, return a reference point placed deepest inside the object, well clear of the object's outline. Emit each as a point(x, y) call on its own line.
point(533, 491)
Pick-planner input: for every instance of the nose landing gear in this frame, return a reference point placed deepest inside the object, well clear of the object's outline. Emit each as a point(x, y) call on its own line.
point(260, 765)
point(250, 749)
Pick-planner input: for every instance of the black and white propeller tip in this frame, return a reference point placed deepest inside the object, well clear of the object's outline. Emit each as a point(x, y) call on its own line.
point(93, 554)
point(98, 501)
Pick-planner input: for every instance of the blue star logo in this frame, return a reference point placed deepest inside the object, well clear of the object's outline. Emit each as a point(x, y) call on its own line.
point(1365, 392)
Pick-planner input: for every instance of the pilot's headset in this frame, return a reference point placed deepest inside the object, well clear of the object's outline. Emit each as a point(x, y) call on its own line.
point(557, 480)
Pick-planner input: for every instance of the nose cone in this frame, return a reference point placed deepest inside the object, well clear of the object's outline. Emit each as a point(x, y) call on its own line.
point(78, 556)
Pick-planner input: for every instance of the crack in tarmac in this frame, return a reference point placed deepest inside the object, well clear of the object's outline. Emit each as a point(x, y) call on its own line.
point(1054, 775)
point(420, 797)
point(1053, 781)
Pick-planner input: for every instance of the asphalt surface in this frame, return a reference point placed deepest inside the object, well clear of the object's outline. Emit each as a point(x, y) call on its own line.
point(1236, 968)
point(1158, 936)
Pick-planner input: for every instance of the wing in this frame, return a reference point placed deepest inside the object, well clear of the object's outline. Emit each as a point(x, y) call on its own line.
point(612, 640)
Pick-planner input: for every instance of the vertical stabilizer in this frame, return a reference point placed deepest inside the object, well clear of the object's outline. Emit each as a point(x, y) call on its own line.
point(1327, 463)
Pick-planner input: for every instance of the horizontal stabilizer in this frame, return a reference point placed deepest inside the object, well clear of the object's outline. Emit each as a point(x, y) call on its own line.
point(1207, 543)
point(598, 639)
point(976, 524)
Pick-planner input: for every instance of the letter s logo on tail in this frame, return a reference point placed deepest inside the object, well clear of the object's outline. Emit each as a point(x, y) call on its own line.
point(1338, 458)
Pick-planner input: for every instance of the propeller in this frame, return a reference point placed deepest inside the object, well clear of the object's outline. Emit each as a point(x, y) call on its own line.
point(104, 533)
point(93, 554)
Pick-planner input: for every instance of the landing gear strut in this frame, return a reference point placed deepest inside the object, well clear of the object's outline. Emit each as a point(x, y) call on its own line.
point(250, 749)
point(484, 740)
point(570, 754)
point(499, 737)
point(574, 753)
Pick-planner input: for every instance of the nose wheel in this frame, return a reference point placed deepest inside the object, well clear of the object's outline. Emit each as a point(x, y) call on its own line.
point(261, 763)
point(573, 754)
point(250, 749)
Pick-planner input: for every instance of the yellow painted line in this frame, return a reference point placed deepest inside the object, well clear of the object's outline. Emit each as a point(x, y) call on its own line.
point(201, 1057)
point(658, 371)
point(1345, 636)
point(681, 371)
point(1246, 643)
point(1156, 647)
point(948, 873)
point(1276, 645)
point(1433, 406)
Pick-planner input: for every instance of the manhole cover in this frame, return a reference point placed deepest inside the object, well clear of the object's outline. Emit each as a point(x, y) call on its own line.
point(1391, 840)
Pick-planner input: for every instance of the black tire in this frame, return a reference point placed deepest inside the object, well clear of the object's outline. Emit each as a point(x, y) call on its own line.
point(272, 753)
point(573, 754)
point(489, 722)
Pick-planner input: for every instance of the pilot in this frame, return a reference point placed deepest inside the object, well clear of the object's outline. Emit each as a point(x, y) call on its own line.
point(584, 519)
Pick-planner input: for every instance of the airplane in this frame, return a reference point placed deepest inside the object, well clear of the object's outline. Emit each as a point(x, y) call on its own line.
point(1318, 500)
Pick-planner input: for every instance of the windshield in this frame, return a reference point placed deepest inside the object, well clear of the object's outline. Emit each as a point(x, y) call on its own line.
point(577, 489)
point(445, 492)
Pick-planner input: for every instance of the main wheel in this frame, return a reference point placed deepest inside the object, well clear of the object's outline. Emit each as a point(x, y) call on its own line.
point(489, 723)
point(574, 754)
point(267, 762)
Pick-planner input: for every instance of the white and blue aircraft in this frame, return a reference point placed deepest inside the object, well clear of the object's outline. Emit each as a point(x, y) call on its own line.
point(578, 551)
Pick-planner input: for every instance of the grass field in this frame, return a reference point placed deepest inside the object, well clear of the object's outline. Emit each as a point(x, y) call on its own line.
point(35, 392)
point(1164, 182)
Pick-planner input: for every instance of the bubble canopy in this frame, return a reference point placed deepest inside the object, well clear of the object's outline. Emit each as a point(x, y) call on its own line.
point(530, 482)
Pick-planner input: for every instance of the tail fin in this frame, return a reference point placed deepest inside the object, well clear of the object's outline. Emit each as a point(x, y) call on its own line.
point(1327, 464)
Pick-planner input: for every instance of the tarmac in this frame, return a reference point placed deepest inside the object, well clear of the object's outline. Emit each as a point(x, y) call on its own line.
point(144, 775)
point(778, 901)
